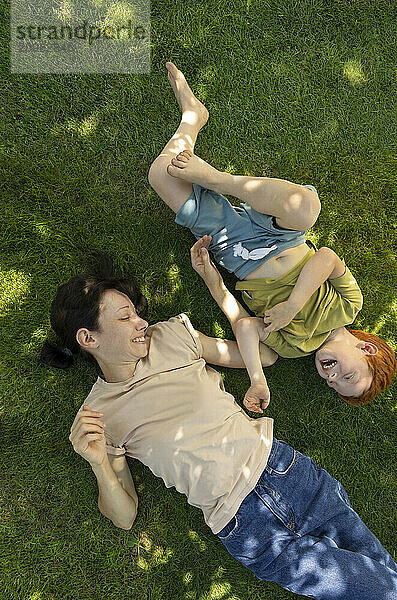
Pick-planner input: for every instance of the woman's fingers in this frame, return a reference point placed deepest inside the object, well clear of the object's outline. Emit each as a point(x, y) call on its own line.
point(86, 412)
point(84, 429)
point(94, 420)
point(85, 419)
point(83, 441)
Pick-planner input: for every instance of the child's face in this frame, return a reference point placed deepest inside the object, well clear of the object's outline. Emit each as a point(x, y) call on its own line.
point(342, 363)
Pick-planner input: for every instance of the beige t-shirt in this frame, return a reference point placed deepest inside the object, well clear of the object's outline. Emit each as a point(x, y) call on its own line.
point(175, 416)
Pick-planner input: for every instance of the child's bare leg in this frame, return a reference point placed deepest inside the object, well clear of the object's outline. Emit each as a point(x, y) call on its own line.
point(294, 206)
point(174, 191)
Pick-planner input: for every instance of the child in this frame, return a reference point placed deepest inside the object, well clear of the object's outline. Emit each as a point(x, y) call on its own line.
point(305, 297)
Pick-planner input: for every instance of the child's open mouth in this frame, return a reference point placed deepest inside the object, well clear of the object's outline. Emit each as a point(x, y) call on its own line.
point(328, 363)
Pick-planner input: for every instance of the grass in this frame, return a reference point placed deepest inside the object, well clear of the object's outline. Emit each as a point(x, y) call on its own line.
point(301, 91)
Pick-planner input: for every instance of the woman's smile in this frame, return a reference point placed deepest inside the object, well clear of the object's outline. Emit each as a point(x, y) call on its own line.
point(139, 340)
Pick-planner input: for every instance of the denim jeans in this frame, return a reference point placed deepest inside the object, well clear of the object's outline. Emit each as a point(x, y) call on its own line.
point(297, 528)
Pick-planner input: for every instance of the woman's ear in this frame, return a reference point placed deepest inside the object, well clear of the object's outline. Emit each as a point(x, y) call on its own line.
point(368, 347)
point(85, 339)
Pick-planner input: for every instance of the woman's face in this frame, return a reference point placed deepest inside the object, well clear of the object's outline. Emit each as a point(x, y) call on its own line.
point(122, 337)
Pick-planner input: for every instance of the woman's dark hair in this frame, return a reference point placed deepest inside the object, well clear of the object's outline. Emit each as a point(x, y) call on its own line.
point(77, 304)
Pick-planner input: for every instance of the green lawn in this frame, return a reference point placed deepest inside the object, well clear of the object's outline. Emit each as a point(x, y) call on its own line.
point(296, 90)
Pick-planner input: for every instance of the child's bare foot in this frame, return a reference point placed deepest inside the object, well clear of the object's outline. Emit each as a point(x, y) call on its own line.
point(193, 111)
point(191, 167)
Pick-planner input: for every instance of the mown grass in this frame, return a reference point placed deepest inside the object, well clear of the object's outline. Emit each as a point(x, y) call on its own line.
point(301, 91)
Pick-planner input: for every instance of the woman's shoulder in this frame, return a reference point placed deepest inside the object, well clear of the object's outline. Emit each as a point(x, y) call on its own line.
point(94, 394)
point(176, 324)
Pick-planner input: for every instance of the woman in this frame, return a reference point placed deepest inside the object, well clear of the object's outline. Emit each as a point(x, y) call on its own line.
point(158, 401)
point(303, 298)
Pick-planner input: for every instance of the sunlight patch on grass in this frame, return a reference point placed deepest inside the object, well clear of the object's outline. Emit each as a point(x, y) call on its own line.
point(65, 11)
point(23, 503)
point(14, 285)
point(217, 591)
point(42, 229)
point(279, 69)
point(155, 556)
point(39, 334)
point(331, 238)
point(161, 556)
point(218, 331)
point(187, 578)
point(36, 596)
point(386, 317)
point(220, 571)
point(232, 169)
point(85, 127)
point(36, 339)
point(196, 539)
point(173, 275)
point(120, 12)
point(145, 541)
point(353, 71)
point(143, 564)
point(314, 237)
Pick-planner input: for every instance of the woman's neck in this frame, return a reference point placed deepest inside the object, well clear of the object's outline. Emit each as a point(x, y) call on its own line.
point(117, 373)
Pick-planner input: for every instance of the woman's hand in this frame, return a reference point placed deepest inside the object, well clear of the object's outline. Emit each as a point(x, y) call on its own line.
point(257, 397)
point(87, 435)
point(202, 263)
point(277, 317)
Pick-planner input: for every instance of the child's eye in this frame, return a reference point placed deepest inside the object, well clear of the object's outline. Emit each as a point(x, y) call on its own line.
point(124, 319)
point(348, 377)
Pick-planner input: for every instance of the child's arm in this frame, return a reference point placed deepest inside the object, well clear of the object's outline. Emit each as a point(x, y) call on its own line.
point(249, 332)
point(324, 264)
point(203, 265)
point(229, 305)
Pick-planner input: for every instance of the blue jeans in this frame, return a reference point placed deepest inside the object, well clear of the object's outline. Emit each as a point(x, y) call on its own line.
point(297, 528)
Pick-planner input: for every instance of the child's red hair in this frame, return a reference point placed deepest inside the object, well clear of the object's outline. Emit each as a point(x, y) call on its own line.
point(382, 365)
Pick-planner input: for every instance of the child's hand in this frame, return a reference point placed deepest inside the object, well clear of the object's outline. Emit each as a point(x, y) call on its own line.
point(278, 317)
point(257, 397)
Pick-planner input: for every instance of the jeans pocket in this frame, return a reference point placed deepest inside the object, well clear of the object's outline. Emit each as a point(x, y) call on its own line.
point(230, 529)
point(283, 461)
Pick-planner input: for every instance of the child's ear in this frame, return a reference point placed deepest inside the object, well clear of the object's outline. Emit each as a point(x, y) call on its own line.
point(368, 347)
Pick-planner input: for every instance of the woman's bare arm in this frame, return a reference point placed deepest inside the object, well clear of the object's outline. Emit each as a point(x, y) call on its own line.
point(226, 353)
point(114, 501)
point(117, 497)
